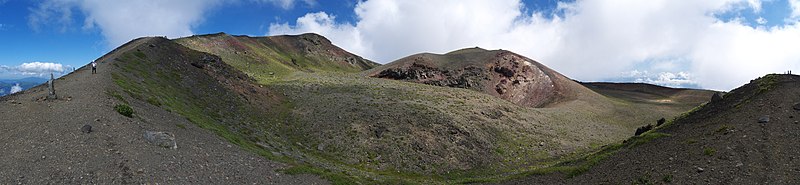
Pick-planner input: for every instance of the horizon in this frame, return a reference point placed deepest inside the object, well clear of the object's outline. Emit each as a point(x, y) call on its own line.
point(717, 45)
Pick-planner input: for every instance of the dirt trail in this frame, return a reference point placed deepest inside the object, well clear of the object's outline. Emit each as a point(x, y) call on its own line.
point(43, 142)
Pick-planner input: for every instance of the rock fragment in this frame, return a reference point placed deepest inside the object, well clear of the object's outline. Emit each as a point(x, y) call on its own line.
point(86, 128)
point(162, 139)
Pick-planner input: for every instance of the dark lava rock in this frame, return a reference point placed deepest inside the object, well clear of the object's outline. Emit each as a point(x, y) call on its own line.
point(162, 139)
point(763, 119)
point(643, 129)
point(716, 97)
point(796, 106)
point(86, 128)
point(660, 121)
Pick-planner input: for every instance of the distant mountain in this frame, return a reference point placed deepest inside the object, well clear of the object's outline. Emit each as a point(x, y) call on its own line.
point(24, 83)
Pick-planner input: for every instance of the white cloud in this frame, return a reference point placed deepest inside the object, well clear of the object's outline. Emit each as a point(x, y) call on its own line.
point(286, 4)
point(592, 40)
point(35, 69)
point(40, 67)
point(761, 20)
point(120, 21)
point(795, 4)
point(15, 89)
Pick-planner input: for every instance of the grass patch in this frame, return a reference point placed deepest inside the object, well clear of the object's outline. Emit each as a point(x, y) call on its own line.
point(124, 109)
point(153, 101)
point(667, 178)
point(140, 55)
point(767, 82)
point(708, 151)
point(116, 95)
point(722, 128)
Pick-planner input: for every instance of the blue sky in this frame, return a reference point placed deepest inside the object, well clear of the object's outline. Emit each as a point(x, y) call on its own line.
point(717, 44)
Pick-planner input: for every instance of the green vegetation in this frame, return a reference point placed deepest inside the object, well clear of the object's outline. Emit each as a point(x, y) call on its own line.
point(643, 180)
point(708, 151)
point(767, 82)
point(153, 101)
point(116, 95)
point(667, 178)
point(124, 109)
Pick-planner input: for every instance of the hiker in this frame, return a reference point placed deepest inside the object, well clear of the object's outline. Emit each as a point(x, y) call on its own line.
point(94, 67)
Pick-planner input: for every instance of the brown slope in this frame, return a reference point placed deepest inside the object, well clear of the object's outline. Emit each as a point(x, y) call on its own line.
point(723, 142)
point(43, 143)
point(500, 73)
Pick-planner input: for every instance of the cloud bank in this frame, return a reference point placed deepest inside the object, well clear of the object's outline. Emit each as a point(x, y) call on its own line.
point(586, 40)
point(36, 69)
point(120, 21)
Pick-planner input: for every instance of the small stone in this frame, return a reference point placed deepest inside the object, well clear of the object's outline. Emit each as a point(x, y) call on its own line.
point(795, 122)
point(739, 164)
point(796, 106)
point(700, 169)
point(321, 147)
point(86, 128)
point(541, 143)
point(763, 119)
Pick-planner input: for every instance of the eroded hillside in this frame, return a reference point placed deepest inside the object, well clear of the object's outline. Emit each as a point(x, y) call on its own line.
point(746, 137)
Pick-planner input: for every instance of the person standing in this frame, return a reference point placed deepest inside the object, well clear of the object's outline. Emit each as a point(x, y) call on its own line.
point(94, 67)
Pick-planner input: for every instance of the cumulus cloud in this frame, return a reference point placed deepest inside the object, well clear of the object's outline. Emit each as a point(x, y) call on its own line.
point(15, 89)
point(38, 68)
point(795, 4)
point(120, 21)
point(586, 40)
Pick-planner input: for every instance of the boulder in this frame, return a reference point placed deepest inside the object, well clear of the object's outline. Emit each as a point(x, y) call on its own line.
point(660, 121)
point(716, 97)
point(162, 139)
point(643, 129)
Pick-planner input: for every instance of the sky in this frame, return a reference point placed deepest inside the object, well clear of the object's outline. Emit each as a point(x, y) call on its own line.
point(711, 44)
